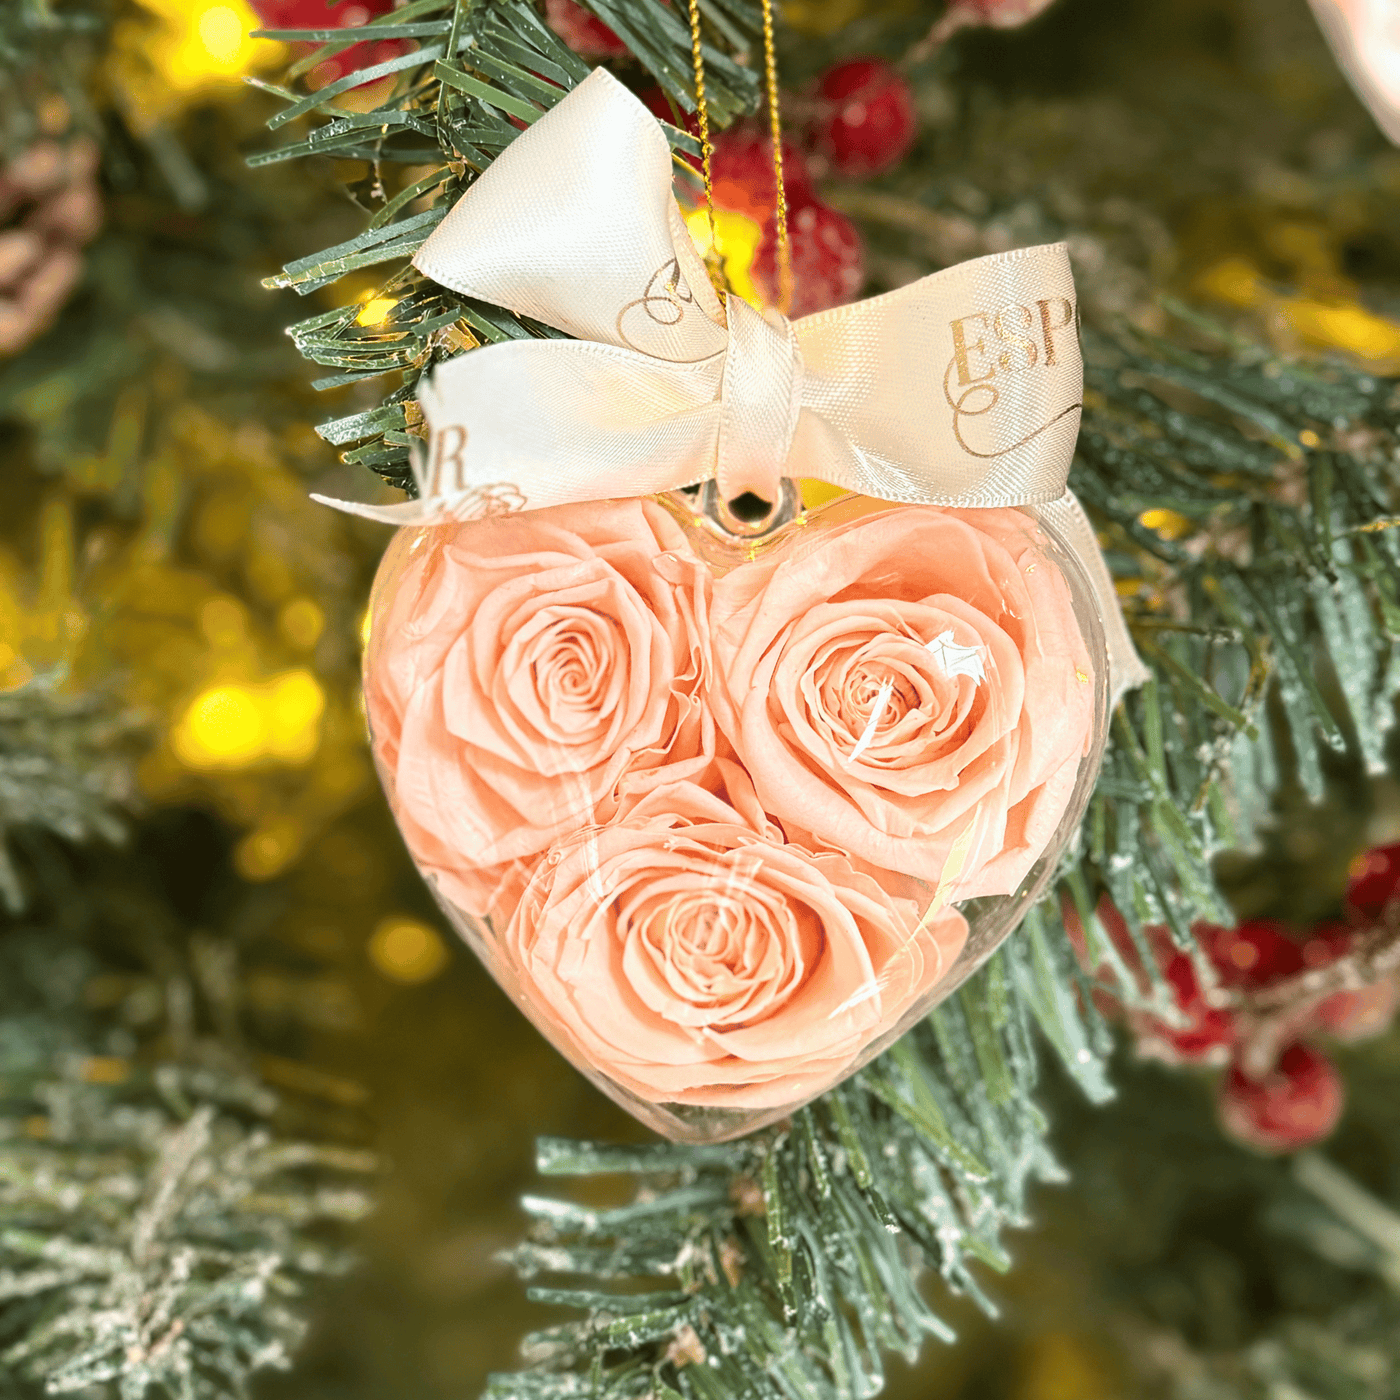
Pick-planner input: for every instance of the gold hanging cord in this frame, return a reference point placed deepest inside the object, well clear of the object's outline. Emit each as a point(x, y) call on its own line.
point(702, 109)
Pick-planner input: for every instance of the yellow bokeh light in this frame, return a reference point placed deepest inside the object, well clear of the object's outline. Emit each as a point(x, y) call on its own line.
point(205, 43)
point(1233, 280)
point(224, 621)
point(1344, 326)
point(221, 34)
point(1167, 523)
point(736, 241)
point(105, 1069)
point(301, 622)
point(295, 704)
point(234, 726)
point(269, 849)
point(407, 951)
point(223, 728)
point(1332, 322)
point(375, 311)
point(41, 625)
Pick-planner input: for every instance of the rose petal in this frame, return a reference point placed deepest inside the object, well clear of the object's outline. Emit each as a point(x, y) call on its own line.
point(691, 960)
point(851, 730)
point(528, 674)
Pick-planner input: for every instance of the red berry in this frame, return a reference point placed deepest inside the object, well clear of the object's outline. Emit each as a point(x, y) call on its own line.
point(867, 119)
point(1298, 1102)
point(1374, 882)
point(345, 14)
point(828, 260)
point(1255, 954)
point(1360, 1014)
point(1326, 943)
point(741, 170)
point(584, 33)
point(1207, 1031)
point(828, 257)
point(741, 165)
point(1200, 1033)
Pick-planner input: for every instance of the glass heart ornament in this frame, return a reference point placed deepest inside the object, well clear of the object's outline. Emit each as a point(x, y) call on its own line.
point(725, 801)
point(724, 813)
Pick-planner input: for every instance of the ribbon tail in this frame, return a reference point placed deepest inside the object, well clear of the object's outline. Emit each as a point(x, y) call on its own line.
point(532, 424)
point(1125, 669)
point(436, 511)
point(545, 422)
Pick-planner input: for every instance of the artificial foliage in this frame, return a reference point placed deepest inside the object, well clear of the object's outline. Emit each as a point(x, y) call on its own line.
point(65, 767)
point(46, 50)
point(1227, 209)
point(1195, 1243)
point(155, 1228)
point(164, 1209)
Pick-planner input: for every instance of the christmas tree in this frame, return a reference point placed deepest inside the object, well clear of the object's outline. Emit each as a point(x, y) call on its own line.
point(261, 1112)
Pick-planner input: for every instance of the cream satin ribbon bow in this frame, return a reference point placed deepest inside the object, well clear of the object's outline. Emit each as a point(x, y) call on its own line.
point(961, 389)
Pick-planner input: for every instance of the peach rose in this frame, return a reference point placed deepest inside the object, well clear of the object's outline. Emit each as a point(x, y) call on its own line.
point(692, 957)
point(526, 673)
point(912, 688)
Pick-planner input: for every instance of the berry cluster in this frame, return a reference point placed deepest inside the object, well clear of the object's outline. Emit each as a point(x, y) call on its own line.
point(1260, 997)
point(828, 257)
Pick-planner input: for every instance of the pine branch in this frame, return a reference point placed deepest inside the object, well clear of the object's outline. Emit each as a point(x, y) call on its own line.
point(29, 29)
point(787, 1264)
point(158, 1227)
point(66, 766)
point(142, 1246)
point(1214, 1273)
point(1267, 617)
point(46, 50)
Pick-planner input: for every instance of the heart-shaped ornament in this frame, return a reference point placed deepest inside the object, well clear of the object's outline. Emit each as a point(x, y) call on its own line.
point(724, 805)
point(726, 813)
